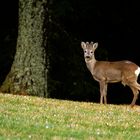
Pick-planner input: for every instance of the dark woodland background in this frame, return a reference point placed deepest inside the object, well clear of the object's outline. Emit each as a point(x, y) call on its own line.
point(114, 25)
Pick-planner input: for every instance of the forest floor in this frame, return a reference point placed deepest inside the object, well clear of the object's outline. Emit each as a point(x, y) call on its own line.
point(34, 118)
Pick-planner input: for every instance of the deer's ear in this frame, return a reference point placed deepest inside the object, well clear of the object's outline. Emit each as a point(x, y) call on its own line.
point(95, 45)
point(83, 45)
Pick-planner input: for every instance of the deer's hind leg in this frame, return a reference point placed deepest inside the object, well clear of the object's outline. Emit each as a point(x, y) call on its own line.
point(135, 87)
point(135, 91)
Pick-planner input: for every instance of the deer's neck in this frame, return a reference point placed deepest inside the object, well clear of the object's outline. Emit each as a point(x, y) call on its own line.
point(91, 64)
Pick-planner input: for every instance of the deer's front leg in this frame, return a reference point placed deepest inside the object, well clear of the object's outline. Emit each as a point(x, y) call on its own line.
point(103, 92)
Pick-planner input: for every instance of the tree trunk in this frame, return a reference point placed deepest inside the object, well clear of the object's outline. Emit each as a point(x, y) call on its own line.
point(28, 73)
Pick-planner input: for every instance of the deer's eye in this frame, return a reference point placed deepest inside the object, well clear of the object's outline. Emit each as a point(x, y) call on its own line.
point(85, 51)
point(91, 52)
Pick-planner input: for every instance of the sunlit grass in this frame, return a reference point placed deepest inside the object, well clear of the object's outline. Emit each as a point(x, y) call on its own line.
point(26, 117)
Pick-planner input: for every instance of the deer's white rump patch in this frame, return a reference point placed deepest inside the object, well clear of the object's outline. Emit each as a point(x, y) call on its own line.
point(137, 71)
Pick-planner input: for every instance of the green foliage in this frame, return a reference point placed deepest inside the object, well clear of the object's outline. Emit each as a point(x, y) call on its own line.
point(25, 117)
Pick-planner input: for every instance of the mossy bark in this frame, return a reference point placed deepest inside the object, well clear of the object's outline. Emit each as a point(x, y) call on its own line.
point(28, 73)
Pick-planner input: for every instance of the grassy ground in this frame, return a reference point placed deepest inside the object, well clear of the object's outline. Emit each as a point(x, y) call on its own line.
point(32, 118)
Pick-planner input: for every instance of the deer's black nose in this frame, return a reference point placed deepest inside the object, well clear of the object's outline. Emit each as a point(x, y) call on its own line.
point(87, 56)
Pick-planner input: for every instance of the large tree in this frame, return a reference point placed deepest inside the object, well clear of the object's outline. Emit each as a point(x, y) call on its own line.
point(28, 73)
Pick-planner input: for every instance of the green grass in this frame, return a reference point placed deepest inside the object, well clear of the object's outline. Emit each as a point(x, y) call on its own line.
point(33, 118)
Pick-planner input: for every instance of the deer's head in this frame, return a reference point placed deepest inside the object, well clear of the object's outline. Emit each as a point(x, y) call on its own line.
point(89, 49)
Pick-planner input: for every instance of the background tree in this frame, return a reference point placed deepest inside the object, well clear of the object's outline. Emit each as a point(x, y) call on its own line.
point(28, 73)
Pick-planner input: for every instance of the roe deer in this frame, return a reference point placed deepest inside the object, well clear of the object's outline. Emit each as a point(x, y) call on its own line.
point(106, 72)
